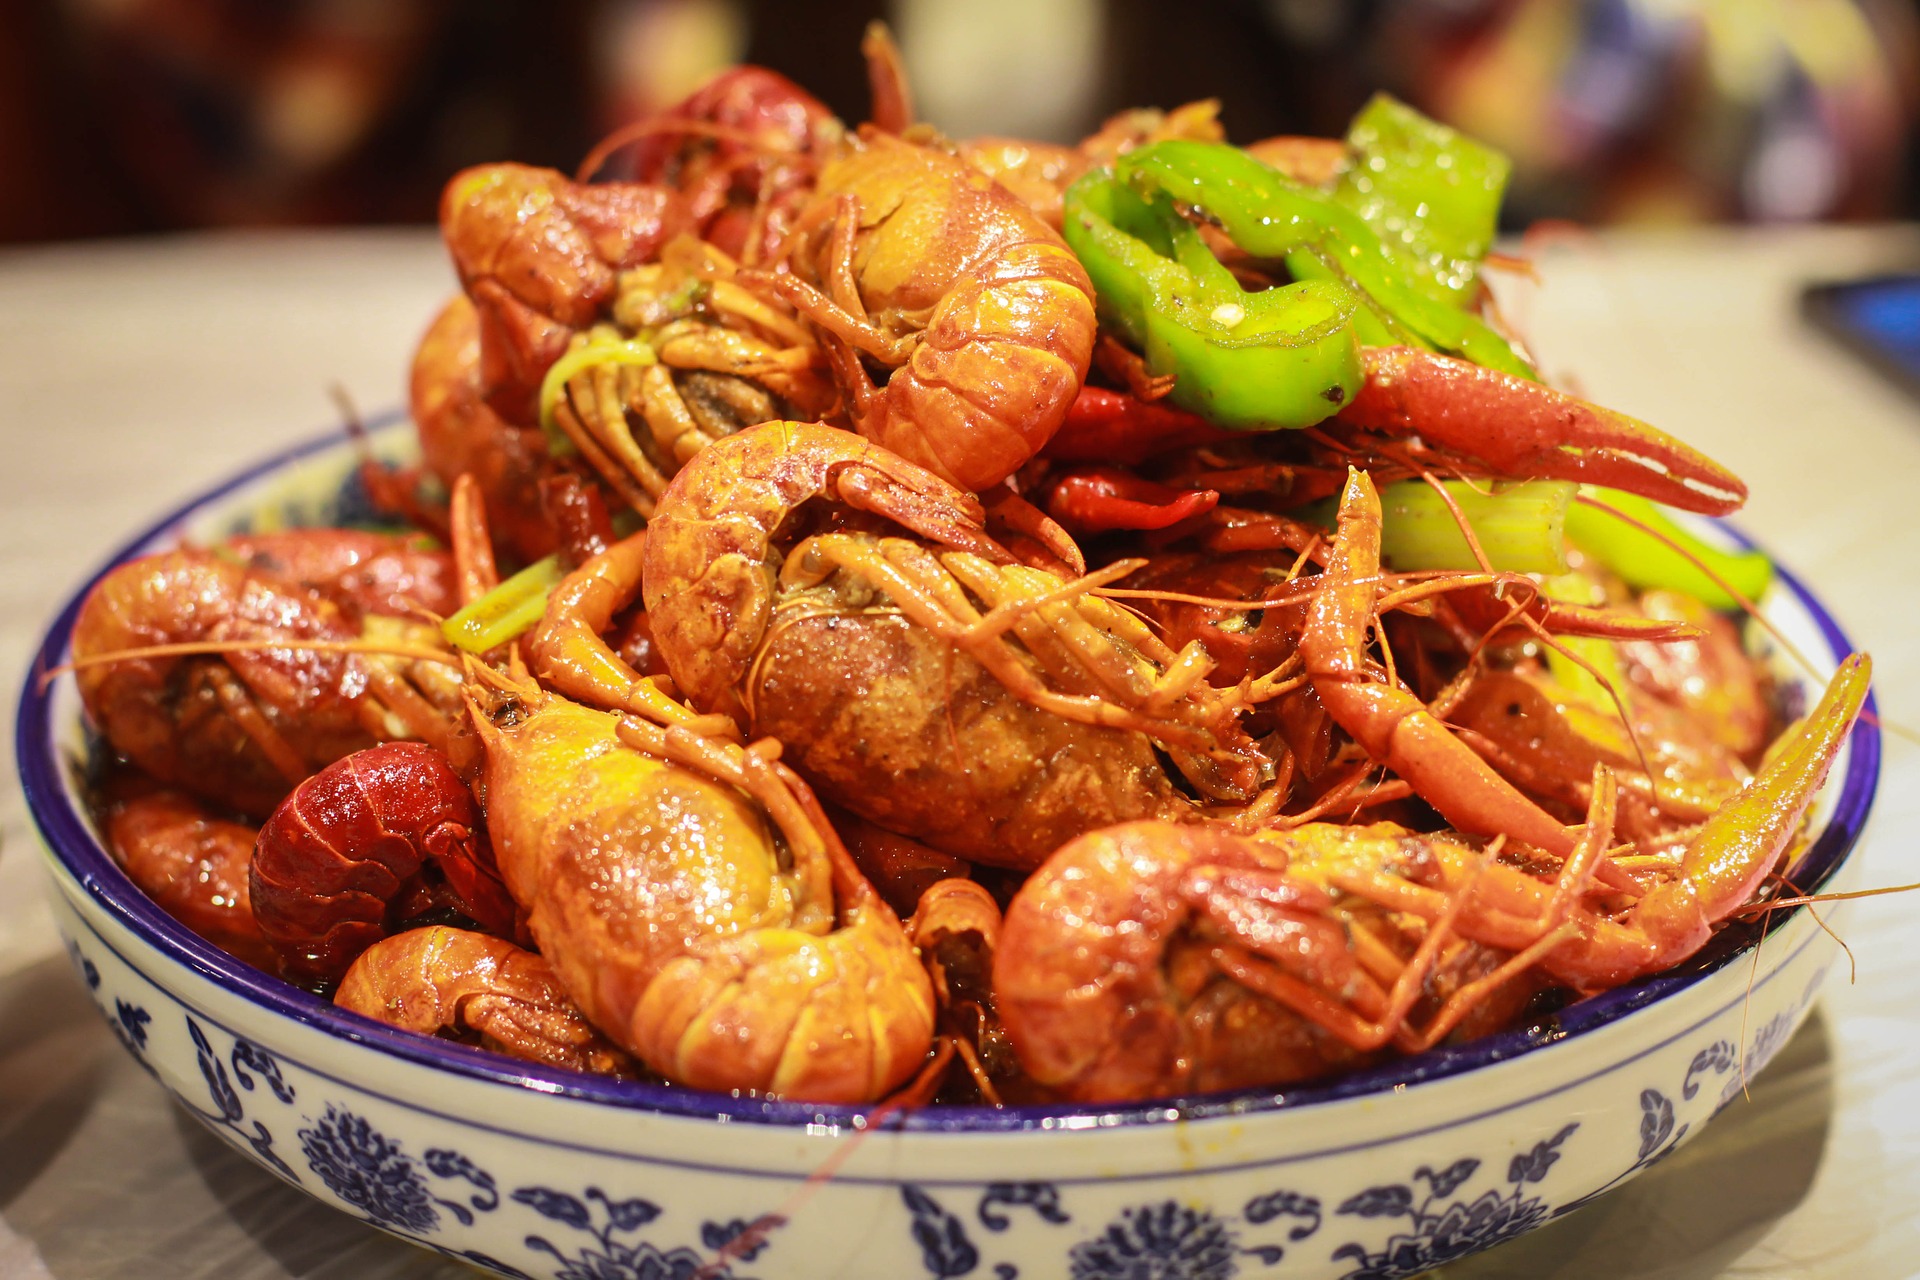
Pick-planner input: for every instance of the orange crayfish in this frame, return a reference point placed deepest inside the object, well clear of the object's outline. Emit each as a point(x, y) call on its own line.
point(927, 683)
point(1124, 958)
point(720, 955)
point(978, 310)
point(174, 659)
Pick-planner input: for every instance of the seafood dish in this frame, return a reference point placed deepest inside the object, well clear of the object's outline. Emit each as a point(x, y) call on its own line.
point(894, 621)
point(963, 707)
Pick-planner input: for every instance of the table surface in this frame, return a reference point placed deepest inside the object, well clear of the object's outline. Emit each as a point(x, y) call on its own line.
point(133, 375)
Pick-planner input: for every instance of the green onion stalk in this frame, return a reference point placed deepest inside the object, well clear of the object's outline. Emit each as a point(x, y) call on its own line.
point(505, 612)
point(588, 355)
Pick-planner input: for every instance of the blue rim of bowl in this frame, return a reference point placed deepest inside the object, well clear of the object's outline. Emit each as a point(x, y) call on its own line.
point(52, 805)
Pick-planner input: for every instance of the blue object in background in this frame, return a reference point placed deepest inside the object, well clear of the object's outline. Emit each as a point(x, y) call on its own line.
point(1878, 319)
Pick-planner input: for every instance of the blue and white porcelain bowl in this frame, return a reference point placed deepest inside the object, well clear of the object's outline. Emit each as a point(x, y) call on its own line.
point(537, 1172)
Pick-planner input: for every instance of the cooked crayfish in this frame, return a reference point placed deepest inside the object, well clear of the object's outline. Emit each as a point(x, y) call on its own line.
point(1117, 956)
point(192, 863)
point(977, 309)
point(175, 662)
point(372, 841)
point(439, 980)
point(723, 955)
point(742, 150)
point(985, 708)
point(539, 256)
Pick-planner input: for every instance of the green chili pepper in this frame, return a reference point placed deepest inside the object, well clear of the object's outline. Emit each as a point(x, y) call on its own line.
point(1270, 216)
point(1429, 191)
point(1262, 360)
point(1670, 558)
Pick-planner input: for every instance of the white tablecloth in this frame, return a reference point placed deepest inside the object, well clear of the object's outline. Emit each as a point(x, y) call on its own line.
point(133, 375)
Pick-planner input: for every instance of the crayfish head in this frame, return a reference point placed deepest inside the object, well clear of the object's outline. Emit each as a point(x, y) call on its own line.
point(499, 700)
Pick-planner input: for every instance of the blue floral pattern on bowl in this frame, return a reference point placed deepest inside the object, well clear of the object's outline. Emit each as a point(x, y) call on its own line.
point(1442, 1211)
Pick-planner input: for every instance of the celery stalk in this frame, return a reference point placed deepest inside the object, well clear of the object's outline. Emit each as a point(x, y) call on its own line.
point(1575, 588)
point(1646, 561)
point(1521, 526)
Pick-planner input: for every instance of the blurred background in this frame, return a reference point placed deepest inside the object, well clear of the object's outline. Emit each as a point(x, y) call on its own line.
point(128, 116)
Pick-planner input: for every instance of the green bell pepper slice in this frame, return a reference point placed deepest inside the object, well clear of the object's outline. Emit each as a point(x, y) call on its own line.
point(1249, 360)
point(1269, 215)
point(1429, 191)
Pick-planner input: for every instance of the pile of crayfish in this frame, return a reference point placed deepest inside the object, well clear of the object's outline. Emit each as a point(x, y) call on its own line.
point(888, 617)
